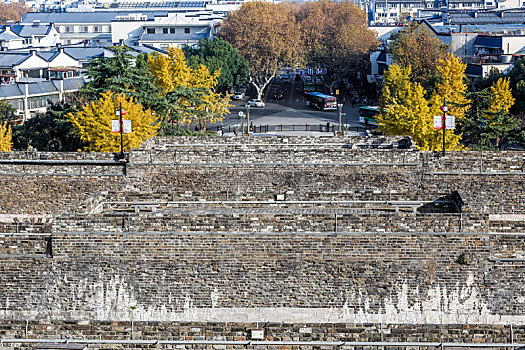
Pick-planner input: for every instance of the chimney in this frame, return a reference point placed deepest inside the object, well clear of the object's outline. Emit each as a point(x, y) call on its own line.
point(32, 52)
point(475, 14)
point(36, 23)
point(502, 14)
point(9, 23)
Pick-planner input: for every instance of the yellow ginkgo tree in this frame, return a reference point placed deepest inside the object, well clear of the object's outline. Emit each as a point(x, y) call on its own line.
point(93, 123)
point(191, 92)
point(6, 137)
point(406, 111)
point(501, 96)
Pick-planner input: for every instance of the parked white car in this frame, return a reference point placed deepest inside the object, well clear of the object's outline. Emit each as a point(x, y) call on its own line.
point(239, 95)
point(256, 103)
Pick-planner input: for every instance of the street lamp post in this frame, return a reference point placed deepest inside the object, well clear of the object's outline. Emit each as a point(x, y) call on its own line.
point(340, 105)
point(121, 125)
point(444, 108)
point(248, 119)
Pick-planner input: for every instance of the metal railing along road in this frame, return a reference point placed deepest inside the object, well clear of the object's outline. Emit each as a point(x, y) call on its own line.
point(329, 128)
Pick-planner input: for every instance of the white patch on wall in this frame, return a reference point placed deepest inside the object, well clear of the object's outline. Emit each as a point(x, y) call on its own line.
point(115, 299)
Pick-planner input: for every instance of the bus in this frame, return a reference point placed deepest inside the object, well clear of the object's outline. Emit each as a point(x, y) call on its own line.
point(321, 101)
point(308, 85)
point(367, 115)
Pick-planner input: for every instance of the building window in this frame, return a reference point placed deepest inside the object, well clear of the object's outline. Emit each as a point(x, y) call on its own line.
point(85, 29)
point(164, 46)
point(38, 102)
point(68, 29)
point(97, 29)
point(164, 30)
point(172, 30)
point(150, 30)
point(187, 30)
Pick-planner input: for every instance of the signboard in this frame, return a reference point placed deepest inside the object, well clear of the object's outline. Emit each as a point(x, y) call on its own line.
point(310, 71)
point(450, 122)
point(241, 114)
point(115, 127)
point(117, 112)
point(127, 126)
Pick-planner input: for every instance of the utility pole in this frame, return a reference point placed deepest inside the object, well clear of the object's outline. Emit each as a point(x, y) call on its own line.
point(444, 108)
point(121, 131)
point(340, 105)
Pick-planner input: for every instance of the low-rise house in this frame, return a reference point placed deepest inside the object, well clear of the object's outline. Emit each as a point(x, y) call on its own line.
point(30, 98)
point(36, 34)
point(9, 40)
point(16, 66)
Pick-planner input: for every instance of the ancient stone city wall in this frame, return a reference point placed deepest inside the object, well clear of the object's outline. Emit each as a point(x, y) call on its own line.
point(293, 278)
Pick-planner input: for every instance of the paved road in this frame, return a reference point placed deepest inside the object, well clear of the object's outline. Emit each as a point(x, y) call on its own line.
point(291, 110)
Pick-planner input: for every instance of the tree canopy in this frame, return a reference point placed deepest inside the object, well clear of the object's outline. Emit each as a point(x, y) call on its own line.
point(12, 11)
point(335, 36)
point(488, 123)
point(267, 35)
point(189, 91)
point(219, 56)
point(417, 47)
point(7, 111)
point(6, 142)
point(406, 111)
point(51, 131)
point(93, 123)
point(124, 74)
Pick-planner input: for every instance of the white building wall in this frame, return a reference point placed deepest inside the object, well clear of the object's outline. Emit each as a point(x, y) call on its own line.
point(63, 60)
point(513, 44)
point(126, 30)
point(461, 44)
point(33, 62)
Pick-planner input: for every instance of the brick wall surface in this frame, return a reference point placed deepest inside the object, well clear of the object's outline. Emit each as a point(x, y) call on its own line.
point(317, 271)
point(229, 277)
point(273, 331)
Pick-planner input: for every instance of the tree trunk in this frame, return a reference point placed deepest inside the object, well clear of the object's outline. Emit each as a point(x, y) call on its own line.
point(260, 83)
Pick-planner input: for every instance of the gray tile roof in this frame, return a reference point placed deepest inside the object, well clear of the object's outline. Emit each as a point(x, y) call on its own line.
point(145, 49)
point(41, 87)
point(8, 60)
point(73, 83)
point(487, 18)
point(474, 70)
point(48, 55)
point(10, 90)
point(84, 53)
point(8, 36)
point(493, 42)
point(157, 4)
point(81, 17)
point(29, 30)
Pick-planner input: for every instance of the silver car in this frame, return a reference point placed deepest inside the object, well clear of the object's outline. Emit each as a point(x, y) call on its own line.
point(256, 103)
